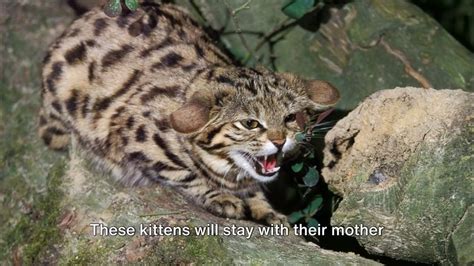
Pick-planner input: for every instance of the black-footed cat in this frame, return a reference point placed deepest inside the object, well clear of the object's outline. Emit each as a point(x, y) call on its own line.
point(150, 96)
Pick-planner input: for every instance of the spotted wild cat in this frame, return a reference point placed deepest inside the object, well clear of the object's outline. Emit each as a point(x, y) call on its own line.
point(150, 96)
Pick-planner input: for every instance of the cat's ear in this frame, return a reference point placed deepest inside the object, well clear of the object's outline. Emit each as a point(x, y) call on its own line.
point(319, 91)
point(198, 110)
point(322, 92)
point(191, 117)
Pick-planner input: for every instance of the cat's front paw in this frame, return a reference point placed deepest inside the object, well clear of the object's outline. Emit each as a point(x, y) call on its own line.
point(227, 205)
point(274, 217)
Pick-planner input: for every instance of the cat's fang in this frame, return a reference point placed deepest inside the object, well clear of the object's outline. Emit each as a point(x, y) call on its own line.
point(274, 170)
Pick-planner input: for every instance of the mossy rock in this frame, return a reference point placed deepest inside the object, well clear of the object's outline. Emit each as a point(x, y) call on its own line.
point(359, 46)
point(403, 159)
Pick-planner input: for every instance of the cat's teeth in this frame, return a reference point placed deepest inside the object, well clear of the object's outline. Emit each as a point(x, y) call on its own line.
point(266, 156)
point(276, 169)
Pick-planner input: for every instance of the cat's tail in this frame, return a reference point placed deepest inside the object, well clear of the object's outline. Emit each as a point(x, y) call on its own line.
point(53, 132)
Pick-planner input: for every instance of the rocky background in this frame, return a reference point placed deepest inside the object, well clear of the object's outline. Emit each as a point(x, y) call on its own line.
point(402, 159)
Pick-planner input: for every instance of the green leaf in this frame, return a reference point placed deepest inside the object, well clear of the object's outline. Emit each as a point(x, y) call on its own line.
point(132, 5)
point(299, 136)
point(311, 178)
point(313, 222)
point(295, 216)
point(297, 167)
point(113, 8)
point(298, 8)
point(313, 206)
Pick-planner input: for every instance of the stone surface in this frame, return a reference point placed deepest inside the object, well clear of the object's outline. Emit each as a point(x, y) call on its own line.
point(359, 46)
point(404, 159)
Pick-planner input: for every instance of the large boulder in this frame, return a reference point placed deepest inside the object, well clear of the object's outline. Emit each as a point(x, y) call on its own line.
point(404, 160)
point(359, 46)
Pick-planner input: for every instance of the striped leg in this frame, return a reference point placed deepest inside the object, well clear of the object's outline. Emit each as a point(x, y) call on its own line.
point(261, 210)
point(218, 202)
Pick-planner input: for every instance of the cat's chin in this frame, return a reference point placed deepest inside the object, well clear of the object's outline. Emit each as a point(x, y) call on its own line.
point(264, 178)
point(252, 168)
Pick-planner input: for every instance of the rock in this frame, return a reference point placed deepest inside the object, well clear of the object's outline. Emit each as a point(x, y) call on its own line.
point(404, 160)
point(359, 46)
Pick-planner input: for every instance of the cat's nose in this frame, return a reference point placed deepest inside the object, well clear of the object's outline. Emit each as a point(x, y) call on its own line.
point(278, 143)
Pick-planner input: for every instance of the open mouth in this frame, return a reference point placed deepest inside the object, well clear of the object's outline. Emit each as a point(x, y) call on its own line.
point(267, 165)
point(263, 168)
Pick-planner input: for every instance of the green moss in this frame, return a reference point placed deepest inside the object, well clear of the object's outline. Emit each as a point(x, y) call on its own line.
point(37, 232)
point(87, 254)
point(190, 249)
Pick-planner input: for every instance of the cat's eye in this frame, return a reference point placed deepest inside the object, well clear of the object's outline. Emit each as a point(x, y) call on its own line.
point(290, 118)
point(250, 124)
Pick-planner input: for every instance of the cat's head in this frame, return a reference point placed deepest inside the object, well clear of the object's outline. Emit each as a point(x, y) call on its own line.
point(246, 120)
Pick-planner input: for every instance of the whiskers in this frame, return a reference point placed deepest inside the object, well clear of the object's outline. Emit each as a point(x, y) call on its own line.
point(247, 157)
point(318, 130)
point(240, 171)
point(313, 132)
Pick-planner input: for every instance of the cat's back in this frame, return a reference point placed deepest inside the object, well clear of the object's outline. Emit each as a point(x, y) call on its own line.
point(134, 63)
point(98, 53)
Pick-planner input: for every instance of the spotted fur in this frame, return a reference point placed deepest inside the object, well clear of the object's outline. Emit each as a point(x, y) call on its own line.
point(154, 100)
